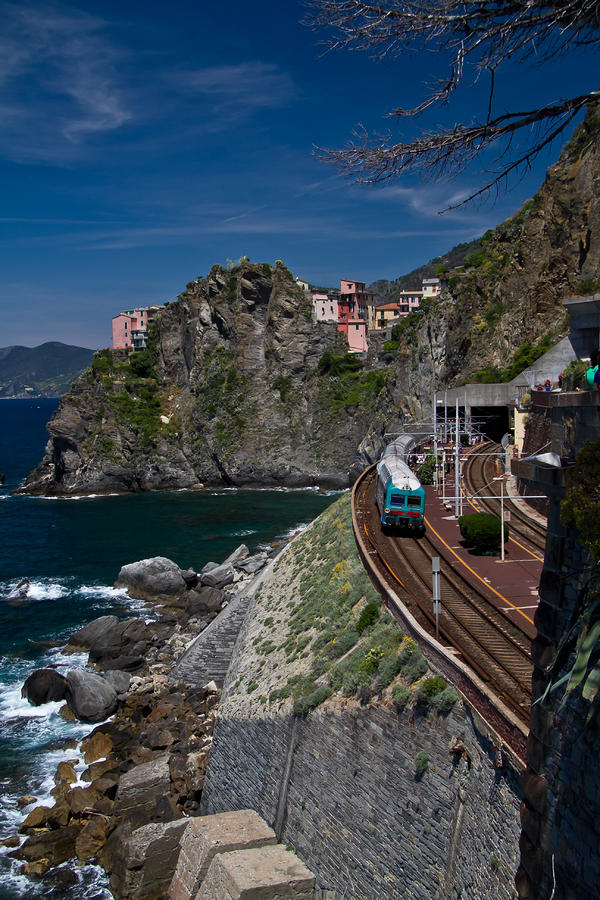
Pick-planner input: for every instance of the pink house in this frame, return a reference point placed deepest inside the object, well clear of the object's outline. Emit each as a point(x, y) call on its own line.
point(357, 336)
point(409, 301)
point(129, 328)
point(352, 314)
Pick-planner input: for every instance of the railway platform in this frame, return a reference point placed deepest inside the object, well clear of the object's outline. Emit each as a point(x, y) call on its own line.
point(510, 585)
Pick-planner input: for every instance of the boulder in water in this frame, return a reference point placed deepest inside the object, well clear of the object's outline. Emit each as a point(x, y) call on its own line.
point(253, 564)
point(152, 577)
point(90, 696)
point(87, 636)
point(44, 686)
point(119, 680)
point(125, 639)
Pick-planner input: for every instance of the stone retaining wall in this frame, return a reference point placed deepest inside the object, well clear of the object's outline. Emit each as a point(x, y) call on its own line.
point(357, 812)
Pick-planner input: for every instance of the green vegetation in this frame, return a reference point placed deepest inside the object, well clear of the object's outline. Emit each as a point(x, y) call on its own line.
point(333, 630)
point(369, 614)
point(521, 359)
point(221, 392)
point(588, 286)
point(573, 375)
point(335, 618)
point(482, 532)
point(347, 384)
point(421, 762)
point(132, 395)
point(426, 470)
point(402, 695)
point(583, 136)
point(102, 362)
point(283, 384)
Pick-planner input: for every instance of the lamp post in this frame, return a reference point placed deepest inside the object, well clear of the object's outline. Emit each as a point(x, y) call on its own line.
point(500, 478)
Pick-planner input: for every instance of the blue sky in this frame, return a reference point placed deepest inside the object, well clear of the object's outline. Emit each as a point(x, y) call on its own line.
point(141, 143)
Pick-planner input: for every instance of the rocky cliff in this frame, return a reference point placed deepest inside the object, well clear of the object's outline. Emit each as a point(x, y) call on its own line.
point(238, 386)
point(508, 293)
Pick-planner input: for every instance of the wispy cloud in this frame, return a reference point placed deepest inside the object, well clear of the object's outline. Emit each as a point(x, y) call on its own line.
point(425, 200)
point(234, 92)
point(58, 81)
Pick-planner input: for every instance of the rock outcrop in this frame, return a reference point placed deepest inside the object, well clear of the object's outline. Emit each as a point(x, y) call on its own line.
point(43, 686)
point(230, 392)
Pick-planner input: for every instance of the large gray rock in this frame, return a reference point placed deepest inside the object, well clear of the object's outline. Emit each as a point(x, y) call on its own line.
point(119, 679)
point(152, 577)
point(142, 791)
point(122, 646)
point(146, 861)
point(87, 636)
point(90, 696)
point(207, 599)
point(253, 564)
point(219, 576)
point(238, 554)
point(43, 686)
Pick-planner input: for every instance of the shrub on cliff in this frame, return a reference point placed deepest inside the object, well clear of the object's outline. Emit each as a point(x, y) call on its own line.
point(481, 531)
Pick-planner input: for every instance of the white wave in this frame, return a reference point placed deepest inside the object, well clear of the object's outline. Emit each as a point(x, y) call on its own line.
point(101, 591)
point(46, 590)
point(78, 496)
point(13, 706)
point(244, 532)
point(40, 589)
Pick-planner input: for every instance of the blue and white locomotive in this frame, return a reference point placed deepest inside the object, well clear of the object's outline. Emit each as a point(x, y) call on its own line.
point(399, 494)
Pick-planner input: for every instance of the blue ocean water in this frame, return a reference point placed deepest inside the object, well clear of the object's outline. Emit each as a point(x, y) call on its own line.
point(71, 551)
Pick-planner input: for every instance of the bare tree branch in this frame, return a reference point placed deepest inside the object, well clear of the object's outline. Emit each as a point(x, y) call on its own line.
point(472, 37)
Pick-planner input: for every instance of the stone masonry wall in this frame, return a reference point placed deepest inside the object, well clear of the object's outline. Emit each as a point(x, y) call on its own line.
point(560, 812)
point(356, 811)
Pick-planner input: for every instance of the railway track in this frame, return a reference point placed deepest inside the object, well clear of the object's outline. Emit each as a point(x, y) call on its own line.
point(478, 474)
point(474, 628)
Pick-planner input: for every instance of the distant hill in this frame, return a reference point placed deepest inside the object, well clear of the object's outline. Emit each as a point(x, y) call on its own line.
point(45, 371)
point(390, 290)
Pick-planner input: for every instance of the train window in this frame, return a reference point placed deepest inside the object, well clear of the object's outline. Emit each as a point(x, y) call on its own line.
point(397, 499)
point(414, 501)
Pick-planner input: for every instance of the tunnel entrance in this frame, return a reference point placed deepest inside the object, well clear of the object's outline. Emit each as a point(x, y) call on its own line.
point(492, 421)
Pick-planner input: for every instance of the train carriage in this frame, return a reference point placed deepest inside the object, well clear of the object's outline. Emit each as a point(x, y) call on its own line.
point(399, 494)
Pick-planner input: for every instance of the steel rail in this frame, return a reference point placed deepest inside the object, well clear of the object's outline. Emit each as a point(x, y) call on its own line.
point(500, 674)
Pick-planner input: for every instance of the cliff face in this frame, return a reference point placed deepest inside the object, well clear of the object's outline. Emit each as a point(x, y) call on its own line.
point(508, 293)
point(233, 390)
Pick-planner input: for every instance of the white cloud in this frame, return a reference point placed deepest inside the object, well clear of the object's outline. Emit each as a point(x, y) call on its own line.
point(59, 81)
point(233, 93)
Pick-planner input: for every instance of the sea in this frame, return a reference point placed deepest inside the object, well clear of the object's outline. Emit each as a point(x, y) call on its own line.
point(70, 551)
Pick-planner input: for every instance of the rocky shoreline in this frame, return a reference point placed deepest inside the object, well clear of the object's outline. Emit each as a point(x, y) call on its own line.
point(144, 762)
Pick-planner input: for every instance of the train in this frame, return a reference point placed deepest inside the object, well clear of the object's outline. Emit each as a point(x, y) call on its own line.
point(399, 494)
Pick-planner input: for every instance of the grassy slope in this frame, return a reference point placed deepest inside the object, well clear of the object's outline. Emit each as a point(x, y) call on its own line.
point(320, 628)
